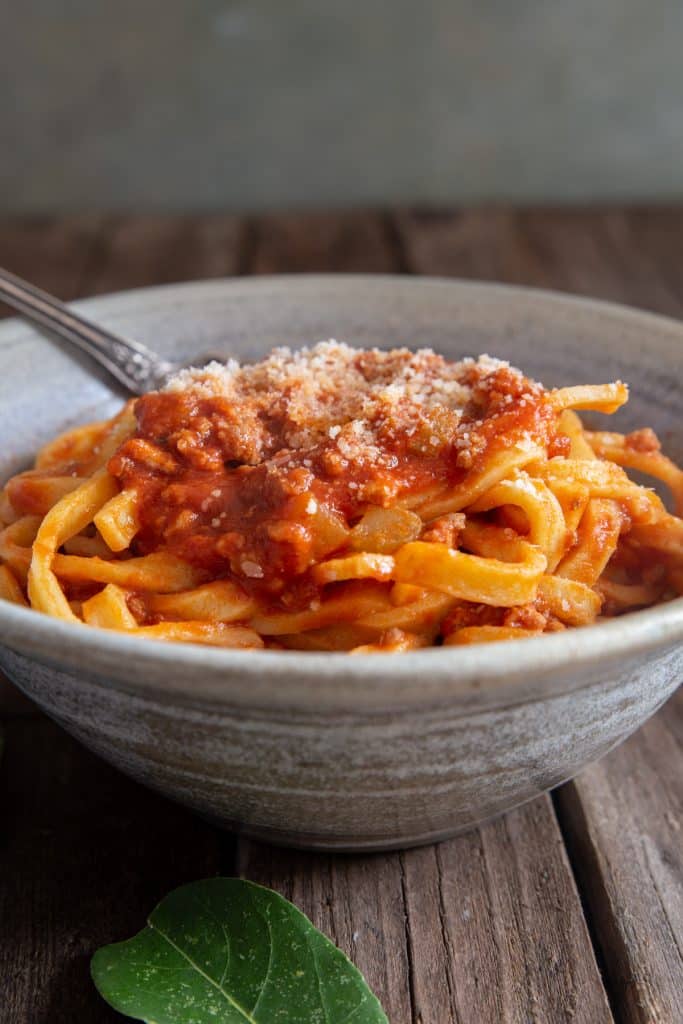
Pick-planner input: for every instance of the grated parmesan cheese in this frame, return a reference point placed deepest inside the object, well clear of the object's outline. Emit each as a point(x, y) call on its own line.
point(357, 399)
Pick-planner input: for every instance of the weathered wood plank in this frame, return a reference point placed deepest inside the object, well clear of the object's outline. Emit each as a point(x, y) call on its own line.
point(656, 240)
point(483, 244)
point(496, 927)
point(623, 820)
point(85, 855)
point(608, 255)
point(52, 252)
point(321, 243)
point(632, 255)
point(137, 251)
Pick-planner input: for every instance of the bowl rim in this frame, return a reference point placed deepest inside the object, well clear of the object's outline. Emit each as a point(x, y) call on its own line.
point(223, 672)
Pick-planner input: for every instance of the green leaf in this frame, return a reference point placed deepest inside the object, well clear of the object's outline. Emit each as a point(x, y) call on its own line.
point(226, 951)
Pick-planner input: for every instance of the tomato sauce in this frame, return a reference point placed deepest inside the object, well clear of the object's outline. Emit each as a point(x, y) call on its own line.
point(220, 488)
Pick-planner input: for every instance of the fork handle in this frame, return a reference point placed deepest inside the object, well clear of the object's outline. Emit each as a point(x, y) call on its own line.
point(133, 365)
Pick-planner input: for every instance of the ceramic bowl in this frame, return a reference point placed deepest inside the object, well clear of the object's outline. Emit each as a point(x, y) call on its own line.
point(327, 750)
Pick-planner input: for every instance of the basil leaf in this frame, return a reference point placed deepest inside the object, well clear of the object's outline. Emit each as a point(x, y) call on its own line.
point(227, 951)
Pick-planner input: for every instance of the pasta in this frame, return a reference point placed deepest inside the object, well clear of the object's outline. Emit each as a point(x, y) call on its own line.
point(337, 499)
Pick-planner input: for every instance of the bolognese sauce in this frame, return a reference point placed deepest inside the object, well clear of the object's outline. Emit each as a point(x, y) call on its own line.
point(340, 499)
point(260, 471)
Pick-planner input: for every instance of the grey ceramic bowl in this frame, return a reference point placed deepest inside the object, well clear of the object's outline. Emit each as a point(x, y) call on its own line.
point(327, 750)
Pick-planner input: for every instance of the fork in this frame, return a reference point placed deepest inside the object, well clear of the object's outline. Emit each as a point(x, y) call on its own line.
point(132, 364)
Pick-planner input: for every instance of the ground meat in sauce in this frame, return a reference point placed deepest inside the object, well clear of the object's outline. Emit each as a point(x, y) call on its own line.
point(257, 472)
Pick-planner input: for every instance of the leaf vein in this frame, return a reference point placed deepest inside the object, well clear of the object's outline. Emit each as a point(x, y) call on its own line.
point(270, 961)
point(228, 949)
point(240, 1009)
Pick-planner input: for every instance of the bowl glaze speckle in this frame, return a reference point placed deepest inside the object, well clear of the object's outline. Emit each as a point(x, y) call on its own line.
point(327, 750)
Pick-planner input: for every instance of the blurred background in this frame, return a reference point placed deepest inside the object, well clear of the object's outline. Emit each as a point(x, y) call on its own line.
point(252, 105)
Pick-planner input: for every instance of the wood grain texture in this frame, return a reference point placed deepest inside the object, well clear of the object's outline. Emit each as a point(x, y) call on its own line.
point(136, 251)
point(54, 253)
point(85, 854)
point(632, 255)
point(321, 243)
point(623, 820)
point(496, 928)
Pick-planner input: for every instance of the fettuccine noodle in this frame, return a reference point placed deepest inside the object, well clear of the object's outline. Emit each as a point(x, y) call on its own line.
point(340, 499)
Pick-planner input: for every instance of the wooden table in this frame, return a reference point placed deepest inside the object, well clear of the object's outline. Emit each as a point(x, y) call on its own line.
point(567, 909)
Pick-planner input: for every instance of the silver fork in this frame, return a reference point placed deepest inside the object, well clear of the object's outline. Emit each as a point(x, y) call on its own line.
point(133, 365)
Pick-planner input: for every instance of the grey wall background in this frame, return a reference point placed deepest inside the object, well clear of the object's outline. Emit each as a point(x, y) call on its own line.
point(244, 104)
